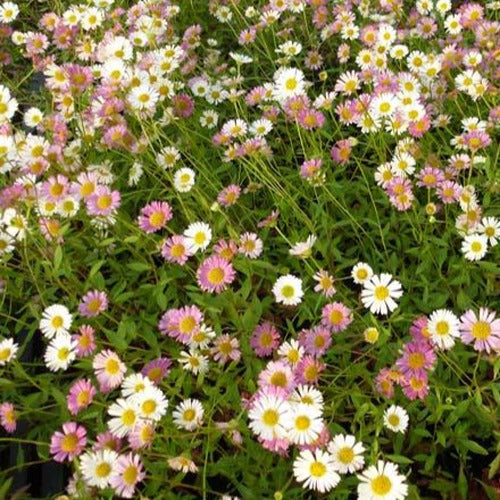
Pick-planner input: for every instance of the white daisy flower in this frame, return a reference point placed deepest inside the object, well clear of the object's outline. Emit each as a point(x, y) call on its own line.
point(379, 292)
point(288, 290)
point(303, 423)
point(347, 453)
point(291, 351)
point(308, 395)
point(382, 482)
point(97, 467)
point(32, 117)
point(134, 384)
point(194, 361)
point(396, 419)
point(303, 249)
point(8, 12)
point(151, 403)
point(184, 179)
point(188, 414)
point(198, 236)
point(361, 272)
point(443, 328)
point(490, 227)
point(8, 350)
point(60, 352)
point(268, 416)
point(125, 413)
point(316, 470)
point(474, 246)
point(55, 319)
point(288, 82)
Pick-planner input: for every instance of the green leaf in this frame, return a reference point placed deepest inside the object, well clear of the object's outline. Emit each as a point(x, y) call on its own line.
point(473, 446)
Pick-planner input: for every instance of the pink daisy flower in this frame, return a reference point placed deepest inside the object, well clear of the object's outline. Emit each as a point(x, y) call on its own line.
point(482, 329)
point(226, 349)
point(278, 374)
point(55, 188)
point(214, 274)
point(176, 249)
point(107, 441)
point(93, 303)
point(419, 331)
point(430, 177)
point(181, 324)
point(229, 195)
point(8, 417)
point(129, 471)
point(85, 341)
point(417, 358)
point(325, 283)
point(310, 119)
point(265, 339)
point(317, 340)
point(384, 383)
point(449, 191)
point(157, 370)
point(226, 249)
point(308, 370)
point(142, 435)
point(80, 395)
point(155, 216)
point(66, 445)
point(103, 202)
point(109, 370)
point(336, 316)
point(311, 168)
point(415, 386)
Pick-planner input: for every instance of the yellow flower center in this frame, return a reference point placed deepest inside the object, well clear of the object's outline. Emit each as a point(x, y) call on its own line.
point(381, 485)
point(346, 455)
point(336, 317)
point(57, 322)
point(279, 379)
point(156, 219)
point(481, 330)
point(130, 475)
point(270, 417)
point(287, 291)
point(102, 470)
point(104, 201)
point(83, 398)
point(189, 415)
point(215, 275)
point(5, 353)
point(177, 250)
point(63, 353)
point(187, 324)
point(317, 469)
point(112, 366)
point(362, 274)
point(291, 84)
point(416, 360)
point(94, 305)
point(128, 417)
point(393, 420)
point(149, 406)
point(69, 442)
point(199, 238)
point(381, 292)
point(266, 339)
point(476, 246)
point(302, 423)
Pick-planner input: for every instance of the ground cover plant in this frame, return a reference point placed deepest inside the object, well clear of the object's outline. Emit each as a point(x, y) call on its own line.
point(249, 249)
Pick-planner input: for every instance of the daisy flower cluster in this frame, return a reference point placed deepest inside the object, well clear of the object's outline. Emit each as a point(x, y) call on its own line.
point(218, 221)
